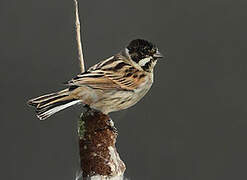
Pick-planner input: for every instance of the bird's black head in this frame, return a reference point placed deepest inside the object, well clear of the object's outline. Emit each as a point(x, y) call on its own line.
point(143, 53)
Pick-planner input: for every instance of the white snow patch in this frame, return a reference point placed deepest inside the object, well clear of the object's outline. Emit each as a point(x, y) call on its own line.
point(98, 177)
point(114, 161)
point(111, 123)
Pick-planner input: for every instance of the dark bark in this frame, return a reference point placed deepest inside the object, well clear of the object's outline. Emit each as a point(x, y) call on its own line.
point(97, 146)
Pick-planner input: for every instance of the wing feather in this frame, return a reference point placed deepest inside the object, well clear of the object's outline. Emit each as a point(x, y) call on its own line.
point(113, 73)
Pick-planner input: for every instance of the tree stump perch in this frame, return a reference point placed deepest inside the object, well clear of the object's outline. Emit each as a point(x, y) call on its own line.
point(98, 153)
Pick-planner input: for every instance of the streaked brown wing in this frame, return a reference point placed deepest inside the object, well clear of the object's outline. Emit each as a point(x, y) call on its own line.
point(113, 73)
point(130, 79)
point(94, 79)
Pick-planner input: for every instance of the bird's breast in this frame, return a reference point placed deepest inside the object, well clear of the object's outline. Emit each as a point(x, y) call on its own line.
point(145, 86)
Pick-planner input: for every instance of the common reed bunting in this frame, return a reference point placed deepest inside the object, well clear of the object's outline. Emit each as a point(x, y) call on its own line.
point(111, 85)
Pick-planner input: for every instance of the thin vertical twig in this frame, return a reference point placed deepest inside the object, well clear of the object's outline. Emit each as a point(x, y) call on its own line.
point(78, 37)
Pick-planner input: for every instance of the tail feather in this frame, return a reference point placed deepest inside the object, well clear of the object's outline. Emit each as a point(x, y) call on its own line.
point(42, 114)
point(49, 104)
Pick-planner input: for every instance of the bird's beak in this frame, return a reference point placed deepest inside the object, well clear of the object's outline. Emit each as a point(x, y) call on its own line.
point(158, 55)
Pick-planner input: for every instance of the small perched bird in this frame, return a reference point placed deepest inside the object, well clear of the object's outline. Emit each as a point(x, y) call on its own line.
point(111, 85)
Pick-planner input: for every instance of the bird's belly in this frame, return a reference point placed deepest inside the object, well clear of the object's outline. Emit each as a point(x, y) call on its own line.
point(119, 100)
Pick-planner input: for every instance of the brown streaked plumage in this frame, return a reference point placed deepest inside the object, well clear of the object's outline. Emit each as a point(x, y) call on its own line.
point(111, 85)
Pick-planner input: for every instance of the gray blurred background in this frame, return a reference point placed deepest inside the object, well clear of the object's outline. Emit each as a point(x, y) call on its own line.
point(190, 126)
